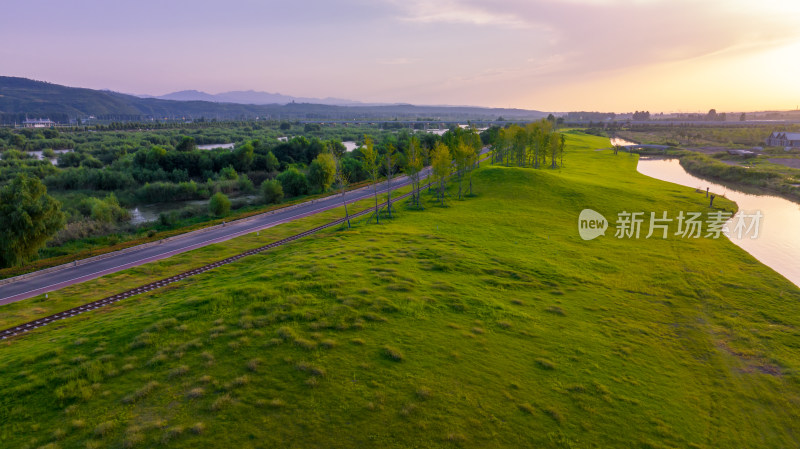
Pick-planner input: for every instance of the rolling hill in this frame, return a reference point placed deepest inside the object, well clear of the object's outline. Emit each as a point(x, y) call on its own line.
point(21, 98)
point(254, 97)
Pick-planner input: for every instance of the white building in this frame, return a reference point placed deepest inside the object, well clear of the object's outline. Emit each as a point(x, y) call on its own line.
point(784, 139)
point(38, 123)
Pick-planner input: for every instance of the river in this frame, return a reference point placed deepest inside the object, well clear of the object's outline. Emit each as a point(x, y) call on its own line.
point(778, 242)
point(622, 142)
point(214, 146)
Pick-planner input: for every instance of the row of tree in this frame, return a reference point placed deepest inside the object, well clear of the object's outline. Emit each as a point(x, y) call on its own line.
point(529, 146)
point(29, 217)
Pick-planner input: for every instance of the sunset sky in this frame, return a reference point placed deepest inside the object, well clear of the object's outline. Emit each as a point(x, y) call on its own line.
point(610, 55)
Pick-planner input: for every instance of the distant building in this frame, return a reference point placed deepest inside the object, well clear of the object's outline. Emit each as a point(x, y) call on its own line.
point(38, 123)
point(784, 139)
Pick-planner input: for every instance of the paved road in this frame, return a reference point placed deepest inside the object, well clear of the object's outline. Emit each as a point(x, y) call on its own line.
point(84, 271)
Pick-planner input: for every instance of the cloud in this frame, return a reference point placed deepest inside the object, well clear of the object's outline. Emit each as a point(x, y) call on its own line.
point(455, 12)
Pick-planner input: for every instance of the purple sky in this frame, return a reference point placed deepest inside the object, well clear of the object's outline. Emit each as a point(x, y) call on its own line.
point(622, 55)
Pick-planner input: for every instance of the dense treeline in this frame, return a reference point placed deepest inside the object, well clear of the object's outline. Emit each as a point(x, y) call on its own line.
point(535, 145)
point(99, 174)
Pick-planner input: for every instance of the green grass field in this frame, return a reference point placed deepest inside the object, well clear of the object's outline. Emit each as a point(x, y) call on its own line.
point(487, 323)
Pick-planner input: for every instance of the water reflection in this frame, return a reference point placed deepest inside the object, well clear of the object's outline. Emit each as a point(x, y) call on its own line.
point(778, 245)
point(214, 146)
point(623, 142)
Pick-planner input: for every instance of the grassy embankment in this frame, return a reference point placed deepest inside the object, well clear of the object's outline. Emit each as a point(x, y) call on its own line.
point(756, 175)
point(486, 323)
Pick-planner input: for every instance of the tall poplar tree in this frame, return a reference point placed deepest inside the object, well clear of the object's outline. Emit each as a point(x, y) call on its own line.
point(372, 167)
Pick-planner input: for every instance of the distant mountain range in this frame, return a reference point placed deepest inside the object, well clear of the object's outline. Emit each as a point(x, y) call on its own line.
point(22, 98)
point(255, 97)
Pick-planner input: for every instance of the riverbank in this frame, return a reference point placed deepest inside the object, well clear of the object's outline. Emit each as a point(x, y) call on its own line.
point(754, 178)
point(702, 151)
point(777, 244)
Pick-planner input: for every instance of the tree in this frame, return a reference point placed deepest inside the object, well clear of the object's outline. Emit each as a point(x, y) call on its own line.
point(28, 218)
point(342, 181)
point(219, 204)
point(228, 173)
point(743, 117)
point(414, 164)
point(441, 164)
point(272, 163)
point(463, 156)
point(322, 172)
point(337, 148)
point(390, 159)
point(555, 144)
point(353, 168)
point(272, 191)
point(106, 210)
point(294, 183)
point(186, 144)
point(372, 166)
point(473, 162)
point(244, 157)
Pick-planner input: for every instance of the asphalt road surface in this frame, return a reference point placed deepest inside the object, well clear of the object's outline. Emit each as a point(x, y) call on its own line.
point(84, 271)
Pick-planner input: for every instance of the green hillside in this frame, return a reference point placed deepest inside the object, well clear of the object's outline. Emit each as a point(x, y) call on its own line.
point(487, 323)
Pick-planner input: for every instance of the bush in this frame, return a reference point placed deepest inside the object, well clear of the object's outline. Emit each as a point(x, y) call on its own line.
point(228, 173)
point(165, 191)
point(168, 218)
point(244, 184)
point(106, 210)
point(293, 182)
point(272, 191)
point(322, 171)
point(91, 162)
point(219, 204)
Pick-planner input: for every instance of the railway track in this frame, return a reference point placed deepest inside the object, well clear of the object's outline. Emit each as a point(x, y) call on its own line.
point(29, 326)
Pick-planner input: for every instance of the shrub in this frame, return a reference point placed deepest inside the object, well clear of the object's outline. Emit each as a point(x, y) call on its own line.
point(311, 369)
point(195, 393)
point(219, 204)
point(294, 183)
point(272, 191)
point(103, 428)
point(228, 173)
point(392, 354)
point(140, 393)
point(545, 364)
point(244, 184)
point(221, 402)
point(322, 171)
